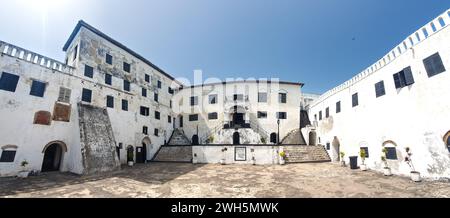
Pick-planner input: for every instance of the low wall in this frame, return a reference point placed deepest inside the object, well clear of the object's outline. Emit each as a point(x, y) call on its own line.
point(236, 154)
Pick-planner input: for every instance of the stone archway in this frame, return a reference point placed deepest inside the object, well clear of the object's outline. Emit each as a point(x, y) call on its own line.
point(312, 138)
point(336, 145)
point(53, 156)
point(273, 138)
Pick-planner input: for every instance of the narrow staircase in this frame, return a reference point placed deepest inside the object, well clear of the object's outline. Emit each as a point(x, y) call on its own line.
point(169, 153)
point(306, 154)
point(179, 138)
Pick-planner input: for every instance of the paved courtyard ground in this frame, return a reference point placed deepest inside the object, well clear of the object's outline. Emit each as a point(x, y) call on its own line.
point(188, 180)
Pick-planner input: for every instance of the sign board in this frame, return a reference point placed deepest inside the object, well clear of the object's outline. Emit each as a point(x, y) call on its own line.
point(240, 154)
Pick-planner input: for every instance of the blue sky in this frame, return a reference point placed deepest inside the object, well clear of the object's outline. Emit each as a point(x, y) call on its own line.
point(321, 43)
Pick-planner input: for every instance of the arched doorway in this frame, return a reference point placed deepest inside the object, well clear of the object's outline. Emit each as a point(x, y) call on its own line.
point(312, 138)
point(195, 140)
point(336, 150)
point(236, 138)
point(273, 138)
point(447, 140)
point(141, 154)
point(53, 155)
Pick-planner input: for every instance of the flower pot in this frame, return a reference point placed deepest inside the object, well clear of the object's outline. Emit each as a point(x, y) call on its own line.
point(282, 161)
point(194, 161)
point(415, 176)
point(222, 161)
point(254, 162)
point(343, 163)
point(130, 163)
point(363, 167)
point(23, 174)
point(387, 171)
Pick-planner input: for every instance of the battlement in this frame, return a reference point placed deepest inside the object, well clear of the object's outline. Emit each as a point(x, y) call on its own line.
point(32, 57)
point(422, 34)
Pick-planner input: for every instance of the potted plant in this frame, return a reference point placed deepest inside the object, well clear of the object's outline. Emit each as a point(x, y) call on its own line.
point(415, 176)
point(130, 157)
point(282, 158)
point(342, 154)
point(263, 140)
point(253, 160)
point(386, 169)
point(210, 139)
point(222, 161)
point(362, 154)
point(24, 172)
point(194, 160)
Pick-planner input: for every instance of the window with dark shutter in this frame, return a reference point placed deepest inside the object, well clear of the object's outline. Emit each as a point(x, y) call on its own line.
point(328, 146)
point(212, 99)
point(8, 82)
point(126, 85)
point(193, 117)
point(170, 90)
point(147, 78)
point(126, 67)
point(156, 132)
point(169, 119)
point(145, 130)
point(355, 100)
point(212, 116)
point(262, 114)
point(338, 107)
point(157, 115)
point(320, 115)
point(262, 97)
point(159, 84)
point(282, 98)
point(124, 105)
point(238, 97)
point(194, 100)
point(88, 71)
point(7, 156)
point(434, 65)
point(391, 153)
point(155, 97)
point(110, 101)
point(327, 112)
point(37, 88)
point(403, 78)
point(145, 111)
point(108, 79)
point(75, 52)
point(86, 95)
point(281, 115)
point(64, 95)
point(108, 59)
point(409, 79)
point(144, 92)
point(379, 89)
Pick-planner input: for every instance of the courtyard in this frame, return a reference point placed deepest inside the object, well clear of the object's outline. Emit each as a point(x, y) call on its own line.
point(173, 180)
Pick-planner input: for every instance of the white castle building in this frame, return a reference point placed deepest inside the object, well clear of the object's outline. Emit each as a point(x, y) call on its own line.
point(106, 105)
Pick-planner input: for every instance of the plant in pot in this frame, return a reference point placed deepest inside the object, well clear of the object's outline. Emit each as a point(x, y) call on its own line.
point(130, 157)
point(24, 172)
point(362, 154)
point(194, 159)
point(342, 154)
point(415, 176)
point(386, 169)
point(210, 140)
point(222, 161)
point(282, 158)
point(263, 140)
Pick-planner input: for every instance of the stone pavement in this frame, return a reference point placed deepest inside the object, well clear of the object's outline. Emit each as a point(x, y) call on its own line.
point(187, 180)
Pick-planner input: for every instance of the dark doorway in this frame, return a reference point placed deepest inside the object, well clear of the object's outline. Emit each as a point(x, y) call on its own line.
point(236, 138)
point(130, 153)
point(181, 121)
point(118, 151)
point(141, 154)
point(174, 122)
point(312, 138)
point(52, 158)
point(195, 140)
point(273, 138)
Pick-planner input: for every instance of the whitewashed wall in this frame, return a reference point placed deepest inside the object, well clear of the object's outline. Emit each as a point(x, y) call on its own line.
point(213, 154)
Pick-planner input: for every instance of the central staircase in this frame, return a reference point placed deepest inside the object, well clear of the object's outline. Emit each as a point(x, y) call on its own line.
point(179, 138)
point(180, 154)
point(306, 154)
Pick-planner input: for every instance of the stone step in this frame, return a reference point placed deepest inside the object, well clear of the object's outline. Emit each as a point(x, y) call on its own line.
point(299, 154)
point(174, 154)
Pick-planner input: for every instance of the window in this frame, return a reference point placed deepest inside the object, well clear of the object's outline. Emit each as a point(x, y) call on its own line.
point(320, 115)
point(88, 71)
point(145, 111)
point(64, 95)
point(338, 107)
point(8, 82)
point(194, 100)
point(8, 155)
point(86, 95)
point(212, 116)
point(124, 105)
point(169, 119)
point(37, 88)
point(366, 150)
point(193, 117)
point(391, 153)
point(108, 79)
point(75, 54)
point(212, 99)
point(109, 101)
point(238, 97)
point(262, 114)
point(126, 67)
point(448, 144)
point(157, 115)
point(147, 78)
point(262, 97)
point(355, 99)
point(281, 115)
point(170, 90)
point(126, 85)
point(145, 130)
point(170, 103)
point(156, 132)
point(327, 112)
point(108, 59)
point(282, 98)
point(434, 65)
point(328, 146)
point(144, 92)
point(159, 84)
point(155, 97)
point(379, 89)
point(403, 78)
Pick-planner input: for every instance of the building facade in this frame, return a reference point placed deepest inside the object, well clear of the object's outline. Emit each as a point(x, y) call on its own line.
point(399, 102)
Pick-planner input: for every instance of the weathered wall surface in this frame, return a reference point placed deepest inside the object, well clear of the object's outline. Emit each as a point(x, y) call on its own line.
point(416, 116)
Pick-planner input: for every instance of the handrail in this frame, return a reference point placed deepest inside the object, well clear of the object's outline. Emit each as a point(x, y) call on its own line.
point(213, 131)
